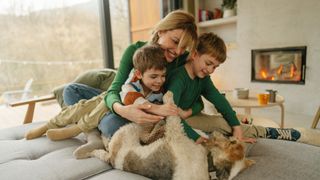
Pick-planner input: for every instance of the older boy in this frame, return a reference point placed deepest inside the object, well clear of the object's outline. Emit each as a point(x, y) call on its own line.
point(192, 80)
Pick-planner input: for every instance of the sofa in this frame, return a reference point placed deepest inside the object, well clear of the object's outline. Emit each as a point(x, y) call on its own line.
point(44, 159)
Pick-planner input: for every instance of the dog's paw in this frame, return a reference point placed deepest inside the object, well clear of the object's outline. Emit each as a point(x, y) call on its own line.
point(101, 154)
point(168, 97)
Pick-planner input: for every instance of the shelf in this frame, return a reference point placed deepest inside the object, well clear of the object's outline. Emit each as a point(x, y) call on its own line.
point(217, 22)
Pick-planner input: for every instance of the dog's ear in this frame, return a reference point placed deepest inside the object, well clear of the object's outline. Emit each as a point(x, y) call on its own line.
point(233, 139)
point(217, 134)
point(236, 152)
point(209, 143)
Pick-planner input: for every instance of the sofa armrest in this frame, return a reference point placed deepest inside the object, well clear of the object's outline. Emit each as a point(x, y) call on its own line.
point(31, 106)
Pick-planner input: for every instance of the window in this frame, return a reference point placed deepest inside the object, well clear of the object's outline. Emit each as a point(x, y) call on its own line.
point(50, 42)
point(119, 16)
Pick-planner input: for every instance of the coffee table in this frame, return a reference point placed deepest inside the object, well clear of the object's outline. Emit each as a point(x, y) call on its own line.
point(252, 102)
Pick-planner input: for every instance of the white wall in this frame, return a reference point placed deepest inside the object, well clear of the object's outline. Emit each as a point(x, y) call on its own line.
point(276, 23)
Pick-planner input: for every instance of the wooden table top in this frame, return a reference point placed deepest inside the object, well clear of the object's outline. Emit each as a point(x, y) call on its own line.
point(252, 101)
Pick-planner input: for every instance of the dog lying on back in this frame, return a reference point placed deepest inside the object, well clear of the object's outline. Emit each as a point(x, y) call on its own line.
point(173, 156)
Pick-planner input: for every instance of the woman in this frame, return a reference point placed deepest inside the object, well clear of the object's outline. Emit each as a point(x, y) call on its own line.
point(175, 34)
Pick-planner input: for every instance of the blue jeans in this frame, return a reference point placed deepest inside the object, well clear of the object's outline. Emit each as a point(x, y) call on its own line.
point(74, 92)
point(110, 123)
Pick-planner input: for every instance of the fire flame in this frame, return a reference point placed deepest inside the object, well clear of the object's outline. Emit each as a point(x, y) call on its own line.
point(263, 74)
point(282, 72)
point(292, 70)
point(279, 70)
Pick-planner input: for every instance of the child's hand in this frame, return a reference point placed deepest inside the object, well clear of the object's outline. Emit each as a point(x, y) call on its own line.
point(201, 140)
point(168, 109)
point(237, 133)
point(184, 114)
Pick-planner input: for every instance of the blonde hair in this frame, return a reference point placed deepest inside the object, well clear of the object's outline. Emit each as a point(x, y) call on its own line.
point(213, 45)
point(148, 57)
point(178, 19)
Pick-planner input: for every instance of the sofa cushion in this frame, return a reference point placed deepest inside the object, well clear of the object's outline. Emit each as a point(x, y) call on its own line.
point(278, 159)
point(120, 175)
point(42, 158)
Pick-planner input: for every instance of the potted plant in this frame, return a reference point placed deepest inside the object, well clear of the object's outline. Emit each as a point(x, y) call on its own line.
point(229, 8)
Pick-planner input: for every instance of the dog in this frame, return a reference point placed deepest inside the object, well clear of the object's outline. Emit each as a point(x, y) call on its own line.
point(173, 156)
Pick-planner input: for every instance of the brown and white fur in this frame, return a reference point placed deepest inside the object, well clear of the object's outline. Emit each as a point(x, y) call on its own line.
point(228, 156)
point(174, 156)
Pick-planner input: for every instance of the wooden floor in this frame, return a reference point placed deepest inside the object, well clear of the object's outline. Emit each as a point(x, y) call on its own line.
point(13, 116)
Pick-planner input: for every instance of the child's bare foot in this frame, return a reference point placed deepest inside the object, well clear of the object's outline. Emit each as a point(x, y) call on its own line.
point(63, 133)
point(36, 132)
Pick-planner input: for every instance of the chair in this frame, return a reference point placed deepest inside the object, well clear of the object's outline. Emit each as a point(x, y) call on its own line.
point(316, 119)
point(97, 78)
point(18, 95)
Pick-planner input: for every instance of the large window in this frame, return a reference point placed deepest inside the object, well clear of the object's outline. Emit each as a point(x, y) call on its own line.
point(119, 17)
point(47, 43)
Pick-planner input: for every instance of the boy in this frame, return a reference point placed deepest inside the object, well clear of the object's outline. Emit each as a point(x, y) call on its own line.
point(144, 86)
point(192, 80)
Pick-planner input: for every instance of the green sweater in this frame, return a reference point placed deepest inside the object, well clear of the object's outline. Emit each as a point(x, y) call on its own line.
point(126, 65)
point(187, 91)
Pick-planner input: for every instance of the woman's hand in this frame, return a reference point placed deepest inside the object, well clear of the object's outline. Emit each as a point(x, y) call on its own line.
point(201, 140)
point(164, 110)
point(237, 133)
point(136, 113)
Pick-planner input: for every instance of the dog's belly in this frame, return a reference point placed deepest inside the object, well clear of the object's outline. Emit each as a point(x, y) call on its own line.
point(157, 165)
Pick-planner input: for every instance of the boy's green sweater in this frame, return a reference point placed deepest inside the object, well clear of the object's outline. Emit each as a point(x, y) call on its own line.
point(126, 65)
point(187, 91)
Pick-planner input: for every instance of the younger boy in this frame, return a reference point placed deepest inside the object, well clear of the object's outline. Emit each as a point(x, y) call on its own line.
point(144, 86)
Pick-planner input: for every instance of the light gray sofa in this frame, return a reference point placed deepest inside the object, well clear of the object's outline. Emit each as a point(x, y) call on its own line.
point(44, 159)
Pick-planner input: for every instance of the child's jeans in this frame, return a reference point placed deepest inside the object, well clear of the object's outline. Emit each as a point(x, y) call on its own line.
point(110, 123)
point(74, 92)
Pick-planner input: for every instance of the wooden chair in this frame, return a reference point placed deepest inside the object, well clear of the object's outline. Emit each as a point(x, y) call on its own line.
point(316, 119)
point(96, 78)
point(31, 106)
point(18, 95)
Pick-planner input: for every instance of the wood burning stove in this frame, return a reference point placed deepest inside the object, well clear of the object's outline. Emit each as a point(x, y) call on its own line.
point(279, 65)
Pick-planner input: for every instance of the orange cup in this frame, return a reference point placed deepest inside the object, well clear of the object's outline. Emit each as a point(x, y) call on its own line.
point(263, 99)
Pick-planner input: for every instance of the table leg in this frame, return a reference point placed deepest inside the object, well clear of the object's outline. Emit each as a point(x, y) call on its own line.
point(247, 111)
point(282, 115)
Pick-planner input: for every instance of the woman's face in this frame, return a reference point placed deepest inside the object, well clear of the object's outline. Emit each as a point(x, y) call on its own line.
point(168, 41)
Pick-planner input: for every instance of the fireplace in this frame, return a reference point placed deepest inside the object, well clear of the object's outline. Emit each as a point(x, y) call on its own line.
point(279, 65)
